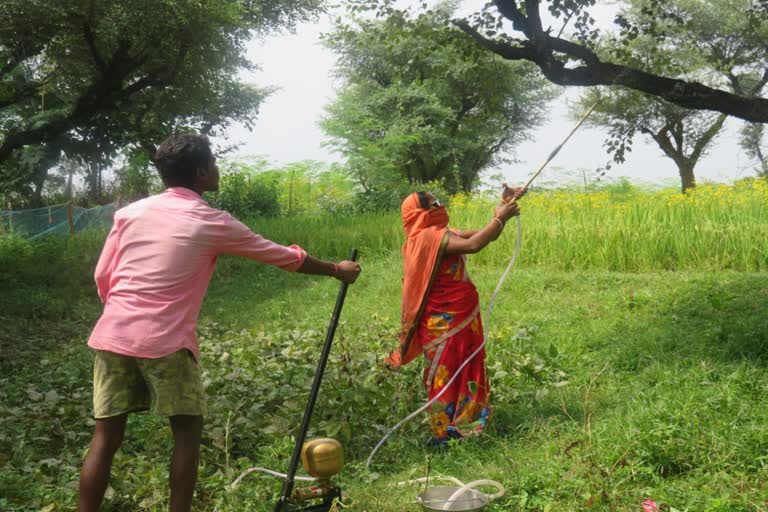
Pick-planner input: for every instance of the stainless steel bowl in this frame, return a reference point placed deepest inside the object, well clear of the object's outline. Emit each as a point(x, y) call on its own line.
point(436, 499)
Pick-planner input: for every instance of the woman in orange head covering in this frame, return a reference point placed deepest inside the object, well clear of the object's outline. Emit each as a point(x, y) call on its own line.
point(440, 311)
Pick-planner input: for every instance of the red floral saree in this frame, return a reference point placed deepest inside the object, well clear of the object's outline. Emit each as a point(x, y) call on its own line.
point(449, 331)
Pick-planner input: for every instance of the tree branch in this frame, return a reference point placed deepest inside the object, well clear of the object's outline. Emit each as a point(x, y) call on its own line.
point(706, 138)
point(676, 129)
point(102, 96)
point(565, 23)
point(540, 45)
point(534, 19)
point(90, 41)
point(504, 50)
point(663, 141)
point(572, 49)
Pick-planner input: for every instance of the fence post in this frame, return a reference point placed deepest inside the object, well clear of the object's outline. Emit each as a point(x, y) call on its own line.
point(70, 217)
point(10, 216)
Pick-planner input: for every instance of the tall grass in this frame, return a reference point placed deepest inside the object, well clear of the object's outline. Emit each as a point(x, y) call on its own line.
point(332, 236)
point(715, 227)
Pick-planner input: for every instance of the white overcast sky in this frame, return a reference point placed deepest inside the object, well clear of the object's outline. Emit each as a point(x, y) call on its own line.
point(287, 128)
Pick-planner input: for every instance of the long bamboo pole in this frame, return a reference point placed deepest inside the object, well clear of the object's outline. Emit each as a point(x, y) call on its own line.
point(558, 148)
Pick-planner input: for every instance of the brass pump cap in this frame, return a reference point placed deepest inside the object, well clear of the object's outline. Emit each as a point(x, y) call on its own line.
point(322, 458)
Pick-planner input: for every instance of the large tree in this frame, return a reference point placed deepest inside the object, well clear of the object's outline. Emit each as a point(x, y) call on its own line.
point(709, 40)
point(570, 57)
point(112, 73)
point(421, 101)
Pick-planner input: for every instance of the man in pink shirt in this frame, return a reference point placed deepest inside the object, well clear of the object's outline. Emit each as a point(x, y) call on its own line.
point(152, 276)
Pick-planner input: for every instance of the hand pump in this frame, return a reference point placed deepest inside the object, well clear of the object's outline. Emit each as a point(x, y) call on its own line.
point(285, 495)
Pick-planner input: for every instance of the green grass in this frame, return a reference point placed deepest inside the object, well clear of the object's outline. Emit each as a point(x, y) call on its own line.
point(676, 414)
point(609, 387)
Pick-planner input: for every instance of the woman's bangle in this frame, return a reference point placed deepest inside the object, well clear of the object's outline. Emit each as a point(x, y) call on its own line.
point(501, 222)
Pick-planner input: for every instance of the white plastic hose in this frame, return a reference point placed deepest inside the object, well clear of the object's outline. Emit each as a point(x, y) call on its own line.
point(477, 483)
point(269, 472)
point(424, 479)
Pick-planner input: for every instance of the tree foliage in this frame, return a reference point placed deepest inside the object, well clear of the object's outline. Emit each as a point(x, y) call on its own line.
point(422, 102)
point(107, 74)
point(706, 40)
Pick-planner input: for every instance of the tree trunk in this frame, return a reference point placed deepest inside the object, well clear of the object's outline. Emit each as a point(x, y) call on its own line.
point(466, 184)
point(41, 174)
point(687, 178)
point(99, 184)
point(38, 182)
point(68, 191)
point(36, 201)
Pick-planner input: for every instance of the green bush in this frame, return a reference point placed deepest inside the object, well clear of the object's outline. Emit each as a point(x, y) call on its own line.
point(137, 179)
point(244, 195)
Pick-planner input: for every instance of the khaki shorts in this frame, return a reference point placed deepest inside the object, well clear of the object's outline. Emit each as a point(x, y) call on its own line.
point(168, 386)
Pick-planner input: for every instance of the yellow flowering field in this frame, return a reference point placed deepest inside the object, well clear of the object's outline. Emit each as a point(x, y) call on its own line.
point(714, 227)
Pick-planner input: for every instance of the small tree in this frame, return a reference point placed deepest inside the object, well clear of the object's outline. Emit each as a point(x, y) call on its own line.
point(752, 143)
point(684, 136)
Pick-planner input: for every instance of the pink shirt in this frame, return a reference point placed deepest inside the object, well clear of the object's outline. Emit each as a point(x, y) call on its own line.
point(156, 265)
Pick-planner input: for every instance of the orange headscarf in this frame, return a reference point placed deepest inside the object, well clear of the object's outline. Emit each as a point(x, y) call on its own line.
point(426, 235)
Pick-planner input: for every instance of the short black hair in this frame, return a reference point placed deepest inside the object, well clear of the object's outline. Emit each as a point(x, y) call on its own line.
point(180, 156)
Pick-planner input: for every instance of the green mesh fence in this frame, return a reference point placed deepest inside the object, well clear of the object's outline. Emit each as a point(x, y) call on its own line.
point(54, 220)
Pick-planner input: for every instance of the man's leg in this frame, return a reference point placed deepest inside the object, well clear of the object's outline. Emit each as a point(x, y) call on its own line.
point(94, 475)
point(187, 431)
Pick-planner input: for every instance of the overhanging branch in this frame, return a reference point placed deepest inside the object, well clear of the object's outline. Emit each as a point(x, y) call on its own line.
point(507, 51)
point(540, 48)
